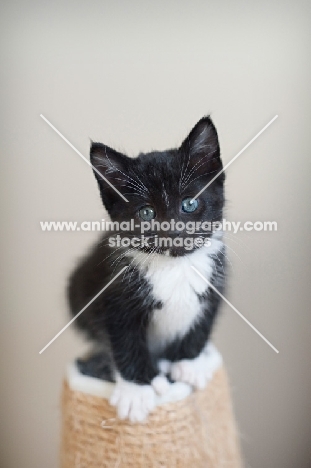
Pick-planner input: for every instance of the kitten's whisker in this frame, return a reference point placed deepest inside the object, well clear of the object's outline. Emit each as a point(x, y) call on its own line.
point(233, 237)
point(136, 265)
point(114, 251)
point(133, 268)
point(119, 258)
point(222, 266)
point(130, 184)
point(146, 258)
point(143, 185)
point(125, 175)
point(228, 247)
point(192, 180)
point(193, 169)
point(134, 193)
point(139, 263)
point(227, 258)
point(135, 186)
point(188, 160)
point(114, 168)
point(191, 173)
point(237, 241)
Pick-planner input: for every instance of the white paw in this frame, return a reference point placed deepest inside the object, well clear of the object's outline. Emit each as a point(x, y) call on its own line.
point(199, 371)
point(160, 384)
point(189, 372)
point(133, 401)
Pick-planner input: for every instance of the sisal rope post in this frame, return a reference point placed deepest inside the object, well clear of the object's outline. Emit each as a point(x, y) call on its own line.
point(198, 431)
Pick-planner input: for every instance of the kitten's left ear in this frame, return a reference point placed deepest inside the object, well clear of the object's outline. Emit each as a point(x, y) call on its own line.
point(201, 148)
point(109, 165)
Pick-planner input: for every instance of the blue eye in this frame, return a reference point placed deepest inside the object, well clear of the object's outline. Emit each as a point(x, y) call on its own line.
point(188, 205)
point(147, 213)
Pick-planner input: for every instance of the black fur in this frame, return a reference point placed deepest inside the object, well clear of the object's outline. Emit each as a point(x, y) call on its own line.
point(117, 321)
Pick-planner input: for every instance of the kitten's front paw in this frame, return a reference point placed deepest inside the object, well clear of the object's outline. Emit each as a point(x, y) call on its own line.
point(133, 401)
point(188, 372)
point(160, 384)
point(196, 372)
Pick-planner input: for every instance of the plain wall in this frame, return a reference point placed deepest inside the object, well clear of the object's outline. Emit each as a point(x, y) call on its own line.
point(137, 76)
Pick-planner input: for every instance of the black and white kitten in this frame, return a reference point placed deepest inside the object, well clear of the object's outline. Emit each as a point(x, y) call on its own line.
point(157, 317)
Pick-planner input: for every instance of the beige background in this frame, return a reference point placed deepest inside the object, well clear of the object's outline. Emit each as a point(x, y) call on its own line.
point(138, 75)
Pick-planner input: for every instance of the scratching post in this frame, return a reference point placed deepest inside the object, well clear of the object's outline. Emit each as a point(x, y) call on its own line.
point(187, 430)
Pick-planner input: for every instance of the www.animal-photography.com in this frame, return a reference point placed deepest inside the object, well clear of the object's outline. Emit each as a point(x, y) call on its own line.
point(155, 234)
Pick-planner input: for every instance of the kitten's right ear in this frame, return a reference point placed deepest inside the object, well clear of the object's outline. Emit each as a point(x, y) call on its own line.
point(110, 165)
point(201, 150)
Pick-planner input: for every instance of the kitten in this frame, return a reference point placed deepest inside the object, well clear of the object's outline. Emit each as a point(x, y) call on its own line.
point(156, 318)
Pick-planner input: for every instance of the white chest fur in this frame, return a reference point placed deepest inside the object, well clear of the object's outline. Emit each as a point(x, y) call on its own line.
point(177, 286)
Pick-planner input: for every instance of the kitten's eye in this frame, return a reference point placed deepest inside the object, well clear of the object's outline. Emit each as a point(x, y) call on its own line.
point(188, 205)
point(147, 213)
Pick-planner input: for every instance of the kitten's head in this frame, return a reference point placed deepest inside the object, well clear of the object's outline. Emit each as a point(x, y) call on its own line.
point(161, 185)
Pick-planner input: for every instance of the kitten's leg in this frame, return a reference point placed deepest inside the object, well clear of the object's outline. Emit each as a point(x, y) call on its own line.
point(97, 364)
point(137, 378)
point(192, 359)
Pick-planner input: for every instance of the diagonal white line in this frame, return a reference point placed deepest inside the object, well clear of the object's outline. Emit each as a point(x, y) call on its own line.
point(85, 307)
point(235, 310)
point(83, 157)
point(235, 157)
